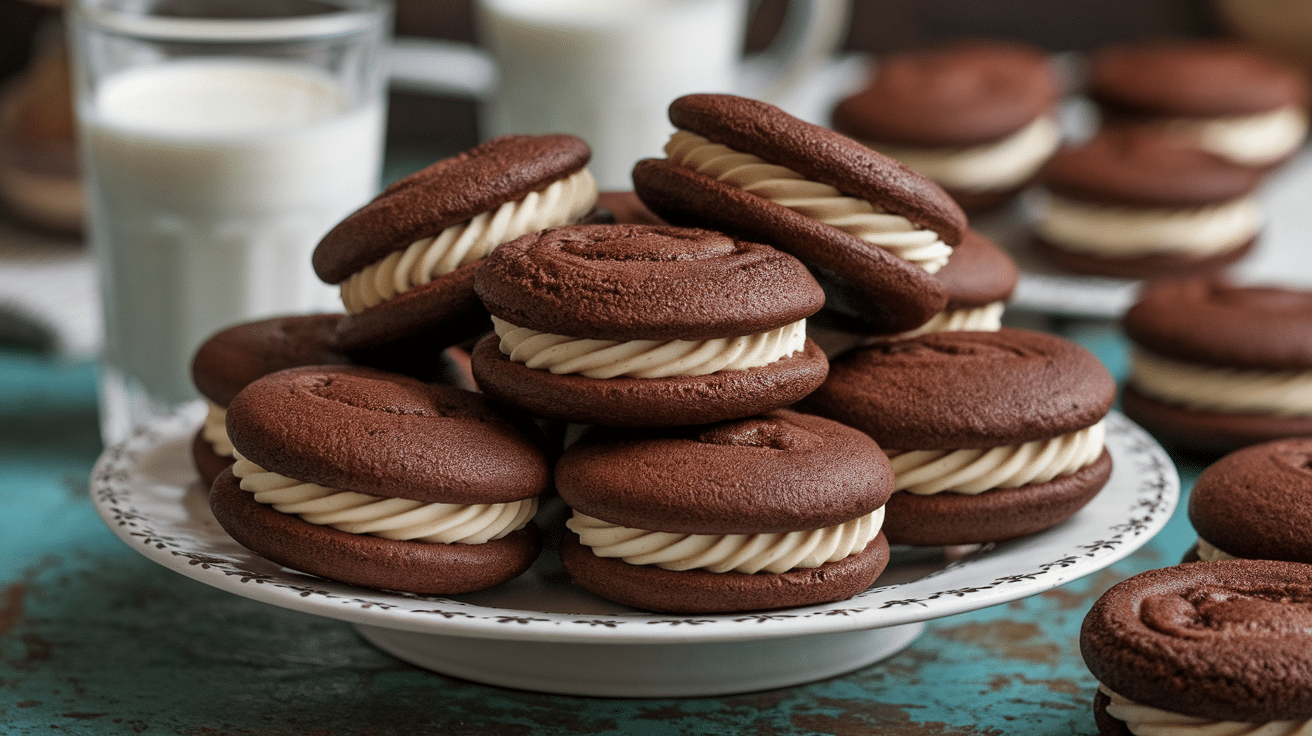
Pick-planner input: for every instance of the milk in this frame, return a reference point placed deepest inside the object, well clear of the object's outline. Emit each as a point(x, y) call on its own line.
point(211, 182)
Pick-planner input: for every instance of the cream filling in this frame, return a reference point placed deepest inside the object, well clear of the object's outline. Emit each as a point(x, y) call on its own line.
point(1144, 720)
point(562, 202)
point(1115, 231)
point(1208, 552)
point(1254, 140)
point(987, 318)
point(813, 199)
point(215, 429)
point(925, 472)
point(747, 553)
point(390, 518)
point(647, 358)
point(1232, 390)
point(993, 166)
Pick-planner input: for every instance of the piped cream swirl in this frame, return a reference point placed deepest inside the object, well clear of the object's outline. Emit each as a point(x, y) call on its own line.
point(215, 429)
point(1114, 231)
point(560, 354)
point(562, 202)
point(1235, 390)
point(998, 165)
point(986, 318)
point(925, 472)
point(1145, 720)
point(390, 518)
point(1253, 140)
point(813, 199)
point(746, 553)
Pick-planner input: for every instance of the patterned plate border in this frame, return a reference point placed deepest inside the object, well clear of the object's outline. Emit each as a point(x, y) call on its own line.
point(138, 490)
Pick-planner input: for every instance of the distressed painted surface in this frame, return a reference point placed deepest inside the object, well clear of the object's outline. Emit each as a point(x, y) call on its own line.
point(95, 639)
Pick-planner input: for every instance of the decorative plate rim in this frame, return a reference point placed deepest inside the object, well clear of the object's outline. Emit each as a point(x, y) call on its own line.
point(1136, 503)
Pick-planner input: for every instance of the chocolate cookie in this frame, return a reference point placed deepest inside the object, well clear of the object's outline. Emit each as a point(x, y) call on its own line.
point(992, 435)
point(233, 357)
point(772, 511)
point(978, 274)
point(979, 278)
point(1135, 203)
point(406, 260)
point(636, 325)
point(380, 480)
point(871, 230)
point(1227, 641)
point(1230, 100)
point(1256, 503)
point(1217, 366)
point(977, 117)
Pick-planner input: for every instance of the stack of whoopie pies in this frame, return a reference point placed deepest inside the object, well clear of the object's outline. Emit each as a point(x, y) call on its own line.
point(672, 332)
point(993, 433)
point(694, 490)
point(1188, 130)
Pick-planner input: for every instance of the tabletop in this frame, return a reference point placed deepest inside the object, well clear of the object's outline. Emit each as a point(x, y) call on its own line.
point(97, 639)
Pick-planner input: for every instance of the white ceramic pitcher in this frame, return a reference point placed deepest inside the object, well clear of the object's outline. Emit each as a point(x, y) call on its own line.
point(606, 70)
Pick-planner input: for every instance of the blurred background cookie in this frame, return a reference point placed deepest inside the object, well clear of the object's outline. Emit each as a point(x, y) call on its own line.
point(979, 117)
point(1216, 366)
point(40, 180)
point(1227, 99)
point(1135, 203)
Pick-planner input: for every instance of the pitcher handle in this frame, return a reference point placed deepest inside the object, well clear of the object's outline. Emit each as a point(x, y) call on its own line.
point(812, 31)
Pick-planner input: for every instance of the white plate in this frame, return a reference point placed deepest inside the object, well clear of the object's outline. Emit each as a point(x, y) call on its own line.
point(1281, 256)
point(540, 632)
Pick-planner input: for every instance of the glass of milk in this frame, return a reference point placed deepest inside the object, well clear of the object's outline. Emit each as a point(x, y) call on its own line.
point(220, 140)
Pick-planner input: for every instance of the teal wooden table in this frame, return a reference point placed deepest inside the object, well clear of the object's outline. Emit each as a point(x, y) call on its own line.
point(96, 639)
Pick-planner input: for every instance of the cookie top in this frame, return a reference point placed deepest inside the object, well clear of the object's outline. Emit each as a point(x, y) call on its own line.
point(778, 472)
point(237, 355)
point(1142, 167)
point(958, 390)
point(822, 155)
point(446, 193)
point(360, 429)
point(963, 94)
point(1213, 322)
point(644, 282)
point(1192, 79)
point(1257, 502)
point(1228, 640)
point(978, 273)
